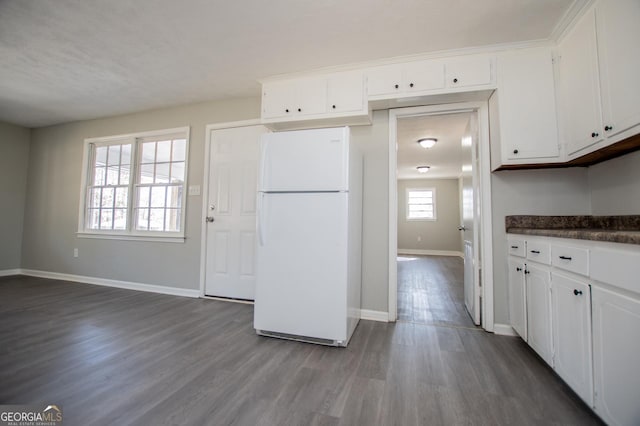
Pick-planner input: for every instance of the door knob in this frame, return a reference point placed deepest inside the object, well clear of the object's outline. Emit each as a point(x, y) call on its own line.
point(210, 219)
point(461, 228)
point(212, 207)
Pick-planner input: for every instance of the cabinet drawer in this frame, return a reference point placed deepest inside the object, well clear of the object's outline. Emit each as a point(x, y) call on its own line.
point(516, 247)
point(539, 252)
point(571, 259)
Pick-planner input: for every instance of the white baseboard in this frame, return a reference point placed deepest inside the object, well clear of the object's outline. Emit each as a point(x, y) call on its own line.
point(431, 252)
point(504, 330)
point(9, 272)
point(367, 314)
point(128, 285)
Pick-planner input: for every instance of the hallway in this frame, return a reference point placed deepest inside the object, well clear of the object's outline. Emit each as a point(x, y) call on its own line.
point(431, 290)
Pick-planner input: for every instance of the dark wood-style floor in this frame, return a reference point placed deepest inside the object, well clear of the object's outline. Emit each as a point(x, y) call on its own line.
point(116, 357)
point(431, 290)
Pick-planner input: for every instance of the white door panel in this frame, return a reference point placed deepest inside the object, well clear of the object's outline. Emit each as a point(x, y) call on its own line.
point(231, 237)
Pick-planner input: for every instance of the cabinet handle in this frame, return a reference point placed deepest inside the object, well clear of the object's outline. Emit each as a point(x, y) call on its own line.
point(607, 128)
point(455, 80)
point(565, 257)
point(577, 292)
point(333, 106)
point(594, 135)
point(410, 84)
point(514, 247)
point(518, 269)
point(396, 86)
point(535, 251)
point(515, 151)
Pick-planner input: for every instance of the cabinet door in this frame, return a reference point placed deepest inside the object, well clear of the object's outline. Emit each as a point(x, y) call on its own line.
point(616, 345)
point(345, 92)
point(539, 311)
point(517, 298)
point(571, 304)
point(527, 105)
point(384, 80)
point(423, 75)
point(473, 71)
point(311, 96)
point(579, 86)
point(278, 99)
point(619, 53)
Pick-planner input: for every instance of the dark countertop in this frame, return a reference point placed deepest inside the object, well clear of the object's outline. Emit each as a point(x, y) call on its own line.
point(614, 229)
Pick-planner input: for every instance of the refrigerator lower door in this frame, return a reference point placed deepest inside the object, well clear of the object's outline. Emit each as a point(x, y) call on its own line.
point(301, 272)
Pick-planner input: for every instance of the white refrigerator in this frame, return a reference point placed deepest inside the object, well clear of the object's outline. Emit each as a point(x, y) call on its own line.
point(309, 226)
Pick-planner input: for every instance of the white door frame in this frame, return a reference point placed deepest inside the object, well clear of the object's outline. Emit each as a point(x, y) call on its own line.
point(484, 188)
point(205, 189)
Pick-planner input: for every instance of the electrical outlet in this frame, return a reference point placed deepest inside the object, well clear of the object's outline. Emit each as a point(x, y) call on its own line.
point(194, 190)
point(75, 252)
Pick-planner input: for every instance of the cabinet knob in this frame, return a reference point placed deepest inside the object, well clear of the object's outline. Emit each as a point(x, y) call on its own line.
point(515, 151)
point(607, 128)
point(299, 109)
point(333, 106)
point(518, 269)
point(410, 84)
point(577, 292)
point(286, 110)
point(396, 86)
point(527, 272)
point(594, 135)
point(455, 80)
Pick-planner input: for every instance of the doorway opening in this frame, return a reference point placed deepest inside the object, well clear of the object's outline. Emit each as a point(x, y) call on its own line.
point(439, 216)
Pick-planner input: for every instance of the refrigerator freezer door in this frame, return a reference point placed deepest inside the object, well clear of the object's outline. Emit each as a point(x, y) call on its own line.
point(305, 160)
point(301, 275)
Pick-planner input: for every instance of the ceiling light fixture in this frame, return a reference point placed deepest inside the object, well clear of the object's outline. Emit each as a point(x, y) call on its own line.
point(423, 169)
point(427, 142)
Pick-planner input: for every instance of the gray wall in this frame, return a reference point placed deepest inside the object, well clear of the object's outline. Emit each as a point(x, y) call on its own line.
point(441, 234)
point(615, 186)
point(14, 160)
point(530, 192)
point(51, 219)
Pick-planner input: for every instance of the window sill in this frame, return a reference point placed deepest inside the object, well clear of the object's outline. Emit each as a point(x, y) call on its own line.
point(129, 237)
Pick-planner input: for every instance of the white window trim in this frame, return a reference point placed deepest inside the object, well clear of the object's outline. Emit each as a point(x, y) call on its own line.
point(423, 219)
point(176, 237)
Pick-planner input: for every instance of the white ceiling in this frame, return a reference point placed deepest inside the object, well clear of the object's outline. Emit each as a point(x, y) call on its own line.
point(67, 60)
point(445, 158)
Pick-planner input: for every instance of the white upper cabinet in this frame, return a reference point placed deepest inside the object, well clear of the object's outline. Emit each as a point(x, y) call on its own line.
point(468, 71)
point(294, 98)
point(599, 68)
point(523, 109)
point(618, 28)
point(398, 79)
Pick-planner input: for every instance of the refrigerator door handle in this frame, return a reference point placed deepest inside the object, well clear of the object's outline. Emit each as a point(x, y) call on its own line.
point(263, 162)
point(259, 222)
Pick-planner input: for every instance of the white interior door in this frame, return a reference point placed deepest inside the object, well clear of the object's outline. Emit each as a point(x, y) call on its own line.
point(471, 240)
point(231, 212)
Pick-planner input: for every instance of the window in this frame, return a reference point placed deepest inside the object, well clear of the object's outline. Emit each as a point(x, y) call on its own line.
point(421, 204)
point(134, 185)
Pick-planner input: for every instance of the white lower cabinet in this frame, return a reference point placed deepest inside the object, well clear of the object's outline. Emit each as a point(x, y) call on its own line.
point(517, 297)
point(538, 283)
point(571, 314)
point(616, 349)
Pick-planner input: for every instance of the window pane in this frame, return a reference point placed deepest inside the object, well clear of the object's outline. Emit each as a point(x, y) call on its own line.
point(162, 173)
point(179, 149)
point(421, 200)
point(99, 176)
point(94, 197)
point(172, 220)
point(144, 196)
point(114, 155)
point(107, 197)
point(112, 175)
point(156, 220)
point(143, 220)
point(93, 218)
point(125, 154)
point(177, 172)
point(163, 154)
point(157, 196)
point(122, 197)
point(106, 219)
point(124, 174)
point(148, 152)
point(120, 219)
point(146, 173)
point(420, 194)
point(174, 196)
point(101, 155)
